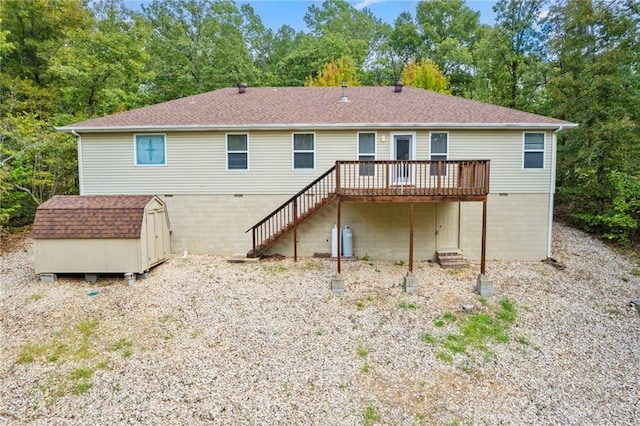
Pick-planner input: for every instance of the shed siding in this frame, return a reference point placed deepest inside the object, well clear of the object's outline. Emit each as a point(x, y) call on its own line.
point(87, 256)
point(196, 162)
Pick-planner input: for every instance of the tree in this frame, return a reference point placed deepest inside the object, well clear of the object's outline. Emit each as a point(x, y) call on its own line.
point(335, 73)
point(596, 84)
point(196, 46)
point(425, 75)
point(512, 71)
point(102, 69)
point(450, 32)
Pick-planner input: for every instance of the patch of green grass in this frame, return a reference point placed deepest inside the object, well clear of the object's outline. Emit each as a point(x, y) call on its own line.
point(35, 297)
point(119, 344)
point(127, 353)
point(362, 351)
point(366, 368)
point(359, 305)
point(408, 306)
point(482, 300)
point(274, 268)
point(625, 279)
point(399, 263)
point(429, 338)
point(87, 327)
point(320, 333)
point(635, 272)
point(81, 388)
point(370, 415)
point(475, 332)
point(196, 333)
point(81, 373)
point(29, 353)
point(376, 270)
point(523, 340)
point(365, 257)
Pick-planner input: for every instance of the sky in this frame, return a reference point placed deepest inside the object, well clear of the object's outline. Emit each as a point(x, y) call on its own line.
point(276, 13)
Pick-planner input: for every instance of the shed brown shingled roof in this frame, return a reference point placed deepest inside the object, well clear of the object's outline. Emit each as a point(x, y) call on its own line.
point(287, 107)
point(91, 216)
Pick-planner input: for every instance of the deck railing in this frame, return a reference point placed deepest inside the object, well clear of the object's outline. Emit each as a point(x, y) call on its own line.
point(444, 178)
point(420, 178)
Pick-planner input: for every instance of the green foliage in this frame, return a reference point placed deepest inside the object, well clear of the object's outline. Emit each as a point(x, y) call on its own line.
point(475, 332)
point(335, 73)
point(370, 415)
point(425, 75)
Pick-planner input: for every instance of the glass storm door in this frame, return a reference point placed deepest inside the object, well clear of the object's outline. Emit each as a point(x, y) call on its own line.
point(402, 151)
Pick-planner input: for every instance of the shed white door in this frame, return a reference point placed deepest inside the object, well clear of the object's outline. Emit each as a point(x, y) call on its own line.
point(155, 236)
point(447, 226)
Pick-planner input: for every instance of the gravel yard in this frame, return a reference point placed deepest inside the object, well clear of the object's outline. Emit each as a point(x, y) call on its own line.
point(203, 341)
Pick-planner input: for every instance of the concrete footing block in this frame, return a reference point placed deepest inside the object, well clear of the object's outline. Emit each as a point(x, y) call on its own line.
point(130, 278)
point(410, 283)
point(48, 278)
point(337, 284)
point(143, 276)
point(92, 278)
point(484, 286)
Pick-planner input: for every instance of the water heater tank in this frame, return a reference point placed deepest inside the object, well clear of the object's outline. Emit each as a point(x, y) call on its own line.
point(334, 241)
point(347, 242)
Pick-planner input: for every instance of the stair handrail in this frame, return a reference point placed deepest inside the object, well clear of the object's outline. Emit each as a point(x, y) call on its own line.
point(293, 198)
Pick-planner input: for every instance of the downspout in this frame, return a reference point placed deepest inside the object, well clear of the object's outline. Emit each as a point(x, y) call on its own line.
point(552, 189)
point(80, 168)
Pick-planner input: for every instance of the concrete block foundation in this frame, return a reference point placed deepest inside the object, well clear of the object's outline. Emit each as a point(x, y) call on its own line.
point(48, 278)
point(337, 284)
point(410, 283)
point(484, 286)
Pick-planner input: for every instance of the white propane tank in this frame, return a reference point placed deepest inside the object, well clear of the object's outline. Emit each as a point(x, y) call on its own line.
point(347, 242)
point(334, 241)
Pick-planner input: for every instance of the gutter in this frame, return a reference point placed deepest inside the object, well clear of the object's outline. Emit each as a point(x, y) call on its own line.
point(552, 187)
point(310, 126)
point(80, 168)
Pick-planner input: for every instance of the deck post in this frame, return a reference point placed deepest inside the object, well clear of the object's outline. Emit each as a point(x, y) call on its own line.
point(411, 222)
point(295, 230)
point(339, 235)
point(483, 254)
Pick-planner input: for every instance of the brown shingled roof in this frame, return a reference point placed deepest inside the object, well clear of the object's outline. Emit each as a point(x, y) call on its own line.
point(287, 107)
point(91, 216)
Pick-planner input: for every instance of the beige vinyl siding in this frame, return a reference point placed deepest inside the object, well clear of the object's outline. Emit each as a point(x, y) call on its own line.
point(505, 150)
point(88, 256)
point(516, 227)
point(196, 161)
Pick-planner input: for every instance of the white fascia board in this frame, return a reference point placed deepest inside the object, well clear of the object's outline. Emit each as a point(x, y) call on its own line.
point(306, 126)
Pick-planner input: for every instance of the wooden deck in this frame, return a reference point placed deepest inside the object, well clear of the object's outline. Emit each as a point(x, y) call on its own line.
point(374, 181)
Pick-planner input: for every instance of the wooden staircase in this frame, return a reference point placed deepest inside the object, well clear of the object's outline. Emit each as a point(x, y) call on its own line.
point(451, 259)
point(293, 212)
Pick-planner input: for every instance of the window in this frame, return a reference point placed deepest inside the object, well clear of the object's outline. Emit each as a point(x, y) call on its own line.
point(303, 151)
point(150, 150)
point(366, 152)
point(533, 155)
point(439, 151)
point(237, 152)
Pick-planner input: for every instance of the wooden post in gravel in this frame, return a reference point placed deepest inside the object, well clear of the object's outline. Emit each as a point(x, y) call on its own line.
point(410, 280)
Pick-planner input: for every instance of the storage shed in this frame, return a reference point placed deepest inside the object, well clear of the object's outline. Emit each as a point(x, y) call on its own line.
point(101, 234)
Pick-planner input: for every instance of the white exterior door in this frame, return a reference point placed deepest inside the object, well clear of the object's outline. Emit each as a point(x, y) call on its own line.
point(403, 149)
point(447, 226)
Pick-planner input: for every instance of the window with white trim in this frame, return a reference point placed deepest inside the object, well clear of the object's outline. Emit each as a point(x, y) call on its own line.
point(237, 152)
point(304, 152)
point(439, 150)
point(367, 152)
point(150, 150)
point(533, 151)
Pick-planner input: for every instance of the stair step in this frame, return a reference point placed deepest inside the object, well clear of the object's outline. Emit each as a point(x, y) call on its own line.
point(451, 259)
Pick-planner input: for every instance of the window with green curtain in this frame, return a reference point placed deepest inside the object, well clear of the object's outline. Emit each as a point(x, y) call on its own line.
point(237, 152)
point(150, 150)
point(303, 151)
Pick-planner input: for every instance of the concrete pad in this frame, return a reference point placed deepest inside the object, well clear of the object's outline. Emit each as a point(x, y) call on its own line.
point(48, 278)
point(337, 284)
point(484, 286)
point(92, 278)
point(242, 258)
point(130, 278)
point(410, 283)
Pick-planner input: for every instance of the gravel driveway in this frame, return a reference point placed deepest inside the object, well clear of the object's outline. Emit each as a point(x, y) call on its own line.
point(203, 341)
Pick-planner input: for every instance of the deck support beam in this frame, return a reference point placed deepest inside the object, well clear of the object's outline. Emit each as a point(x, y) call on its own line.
point(339, 239)
point(483, 254)
point(295, 231)
point(411, 223)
